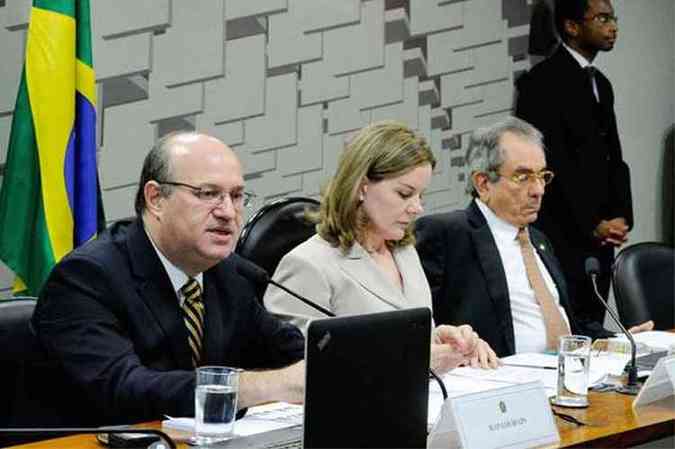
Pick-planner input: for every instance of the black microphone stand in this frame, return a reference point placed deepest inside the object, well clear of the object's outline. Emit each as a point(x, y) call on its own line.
point(632, 386)
point(301, 298)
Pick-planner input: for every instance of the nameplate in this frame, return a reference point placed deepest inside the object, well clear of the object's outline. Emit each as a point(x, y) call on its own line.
point(660, 384)
point(513, 417)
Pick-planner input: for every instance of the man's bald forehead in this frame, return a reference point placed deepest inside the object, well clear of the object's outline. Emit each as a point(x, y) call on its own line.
point(184, 142)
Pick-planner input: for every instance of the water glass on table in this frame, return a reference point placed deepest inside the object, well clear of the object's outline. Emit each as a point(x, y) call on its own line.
point(215, 403)
point(573, 371)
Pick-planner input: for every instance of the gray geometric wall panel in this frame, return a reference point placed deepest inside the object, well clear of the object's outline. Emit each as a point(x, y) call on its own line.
point(287, 82)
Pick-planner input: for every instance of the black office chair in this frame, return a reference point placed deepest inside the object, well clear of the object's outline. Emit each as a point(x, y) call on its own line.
point(18, 346)
point(274, 230)
point(643, 285)
point(33, 391)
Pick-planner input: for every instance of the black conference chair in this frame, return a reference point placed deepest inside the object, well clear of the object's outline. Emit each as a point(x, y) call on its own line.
point(643, 285)
point(33, 391)
point(274, 230)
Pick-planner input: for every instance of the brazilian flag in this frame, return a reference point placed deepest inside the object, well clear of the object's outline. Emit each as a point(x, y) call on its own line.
point(50, 199)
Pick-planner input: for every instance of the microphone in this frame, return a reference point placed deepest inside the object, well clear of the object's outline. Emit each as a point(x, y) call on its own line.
point(158, 438)
point(257, 274)
point(632, 387)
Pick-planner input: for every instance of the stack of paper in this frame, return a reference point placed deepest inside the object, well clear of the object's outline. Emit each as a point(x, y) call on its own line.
point(258, 419)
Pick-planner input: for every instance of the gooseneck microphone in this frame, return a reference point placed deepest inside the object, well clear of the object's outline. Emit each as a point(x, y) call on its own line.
point(632, 386)
point(258, 275)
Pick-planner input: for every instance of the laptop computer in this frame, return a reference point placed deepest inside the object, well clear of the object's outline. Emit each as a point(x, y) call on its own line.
point(366, 385)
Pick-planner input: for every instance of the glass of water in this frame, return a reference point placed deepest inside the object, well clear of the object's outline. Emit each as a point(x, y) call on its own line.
point(215, 403)
point(574, 358)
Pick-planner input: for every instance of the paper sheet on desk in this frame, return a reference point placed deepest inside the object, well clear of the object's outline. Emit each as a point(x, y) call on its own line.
point(533, 366)
point(654, 339)
point(259, 419)
point(513, 375)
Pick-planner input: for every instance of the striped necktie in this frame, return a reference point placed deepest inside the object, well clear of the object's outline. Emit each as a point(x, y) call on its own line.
point(553, 319)
point(193, 315)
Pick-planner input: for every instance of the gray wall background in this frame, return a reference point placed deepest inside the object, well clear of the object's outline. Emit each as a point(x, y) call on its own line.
point(286, 82)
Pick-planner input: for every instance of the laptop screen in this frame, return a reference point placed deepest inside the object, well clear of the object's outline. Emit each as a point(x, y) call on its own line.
point(367, 380)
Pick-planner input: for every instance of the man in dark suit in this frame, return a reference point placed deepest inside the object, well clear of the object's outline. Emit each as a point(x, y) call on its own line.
point(486, 266)
point(132, 313)
point(588, 207)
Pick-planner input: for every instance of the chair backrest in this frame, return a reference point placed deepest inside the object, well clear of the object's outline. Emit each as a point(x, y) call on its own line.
point(18, 345)
point(33, 390)
point(643, 284)
point(274, 230)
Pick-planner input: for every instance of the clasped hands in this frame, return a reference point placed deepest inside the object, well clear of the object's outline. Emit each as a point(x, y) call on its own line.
point(612, 232)
point(454, 346)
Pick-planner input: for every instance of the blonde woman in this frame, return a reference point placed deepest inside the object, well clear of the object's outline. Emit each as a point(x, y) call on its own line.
point(363, 259)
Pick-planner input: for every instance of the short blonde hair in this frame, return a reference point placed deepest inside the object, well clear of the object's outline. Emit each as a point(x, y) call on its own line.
point(381, 150)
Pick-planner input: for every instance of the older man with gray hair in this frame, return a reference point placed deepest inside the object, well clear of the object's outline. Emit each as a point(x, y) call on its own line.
point(486, 265)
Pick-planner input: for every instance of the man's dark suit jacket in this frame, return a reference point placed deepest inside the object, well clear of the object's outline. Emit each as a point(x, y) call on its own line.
point(467, 278)
point(109, 314)
point(591, 181)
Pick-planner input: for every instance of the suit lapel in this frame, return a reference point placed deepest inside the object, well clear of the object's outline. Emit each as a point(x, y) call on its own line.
point(360, 268)
point(155, 289)
point(493, 270)
point(415, 286)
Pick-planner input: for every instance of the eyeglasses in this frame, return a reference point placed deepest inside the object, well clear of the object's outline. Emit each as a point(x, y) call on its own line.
point(604, 18)
point(522, 178)
point(215, 197)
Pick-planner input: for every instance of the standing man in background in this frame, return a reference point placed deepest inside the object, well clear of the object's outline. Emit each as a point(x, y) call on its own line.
point(588, 208)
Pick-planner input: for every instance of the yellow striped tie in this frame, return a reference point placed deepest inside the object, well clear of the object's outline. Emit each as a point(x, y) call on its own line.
point(193, 315)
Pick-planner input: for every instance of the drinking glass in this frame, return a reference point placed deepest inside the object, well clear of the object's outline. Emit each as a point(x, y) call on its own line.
point(573, 370)
point(215, 403)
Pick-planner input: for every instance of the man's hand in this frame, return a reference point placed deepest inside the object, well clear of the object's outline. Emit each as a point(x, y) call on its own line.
point(643, 327)
point(285, 384)
point(612, 232)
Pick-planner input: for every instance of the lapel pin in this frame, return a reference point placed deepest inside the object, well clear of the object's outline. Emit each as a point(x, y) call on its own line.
point(542, 247)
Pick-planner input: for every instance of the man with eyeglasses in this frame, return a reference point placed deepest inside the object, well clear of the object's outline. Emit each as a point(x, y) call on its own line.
point(131, 314)
point(487, 267)
point(588, 208)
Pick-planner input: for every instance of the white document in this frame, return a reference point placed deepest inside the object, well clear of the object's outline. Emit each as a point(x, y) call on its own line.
point(660, 384)
point(654, 339)
point(258, 419)
point(608, 362)
point(527, 367)
point(513, 375)
point(532, 359)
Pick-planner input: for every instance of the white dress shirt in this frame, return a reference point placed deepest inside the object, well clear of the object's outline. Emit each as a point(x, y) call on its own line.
point(177, 277)
point(528, 322)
